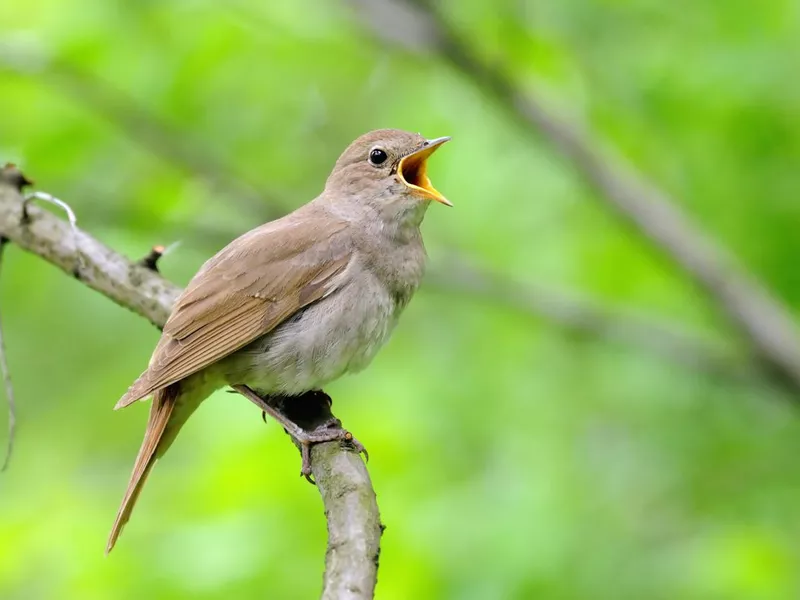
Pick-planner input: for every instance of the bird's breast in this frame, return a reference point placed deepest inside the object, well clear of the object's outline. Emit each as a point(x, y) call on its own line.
point(337, 334)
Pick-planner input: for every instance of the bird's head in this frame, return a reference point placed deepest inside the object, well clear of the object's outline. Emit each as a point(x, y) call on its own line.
point(387, 170)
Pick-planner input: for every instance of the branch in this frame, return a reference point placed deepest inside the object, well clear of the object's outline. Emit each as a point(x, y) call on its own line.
point(765, 322)
point(342, 479)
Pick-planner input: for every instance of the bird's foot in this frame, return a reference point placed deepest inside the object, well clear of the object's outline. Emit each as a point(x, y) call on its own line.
point(318, 426)
point(330, 432)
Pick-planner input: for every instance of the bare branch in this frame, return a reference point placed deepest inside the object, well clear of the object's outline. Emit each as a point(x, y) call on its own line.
point(351, 560)
point(766, 323)
point(342, 478)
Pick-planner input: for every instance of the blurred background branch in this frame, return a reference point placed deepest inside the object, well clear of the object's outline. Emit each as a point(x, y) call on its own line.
point(420, 25)
point(669, 341)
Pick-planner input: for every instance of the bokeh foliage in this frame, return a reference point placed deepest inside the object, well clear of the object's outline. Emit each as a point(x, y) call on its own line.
point(511, 459)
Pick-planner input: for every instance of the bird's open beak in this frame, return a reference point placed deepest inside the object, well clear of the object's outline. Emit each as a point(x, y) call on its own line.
point(413, 171)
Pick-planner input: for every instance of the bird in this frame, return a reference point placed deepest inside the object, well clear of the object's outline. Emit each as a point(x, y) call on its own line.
point(296, 302)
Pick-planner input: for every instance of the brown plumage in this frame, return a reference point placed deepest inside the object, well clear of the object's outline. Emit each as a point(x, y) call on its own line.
point(349, 261)
point(160, 412)
point(226, 306)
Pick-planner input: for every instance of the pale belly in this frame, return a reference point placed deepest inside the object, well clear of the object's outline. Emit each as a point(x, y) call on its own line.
point(337, 335)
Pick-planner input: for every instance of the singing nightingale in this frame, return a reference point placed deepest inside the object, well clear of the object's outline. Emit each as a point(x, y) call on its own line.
point(297, 302)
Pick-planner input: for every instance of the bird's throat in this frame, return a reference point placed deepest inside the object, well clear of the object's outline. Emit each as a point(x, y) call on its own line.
point(402, 217)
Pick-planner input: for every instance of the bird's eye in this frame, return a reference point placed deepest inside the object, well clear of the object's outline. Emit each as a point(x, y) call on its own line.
point(377, 156)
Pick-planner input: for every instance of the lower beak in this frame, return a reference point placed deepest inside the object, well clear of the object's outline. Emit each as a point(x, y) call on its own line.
point(413, 171)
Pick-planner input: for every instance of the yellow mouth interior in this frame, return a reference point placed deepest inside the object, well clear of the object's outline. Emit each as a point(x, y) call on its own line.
point(413, 171)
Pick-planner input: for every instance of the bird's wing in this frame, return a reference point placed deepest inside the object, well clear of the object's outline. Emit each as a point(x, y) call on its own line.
point(242, 293)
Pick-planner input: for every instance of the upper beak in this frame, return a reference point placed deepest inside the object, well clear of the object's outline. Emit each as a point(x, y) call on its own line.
point(413, 171)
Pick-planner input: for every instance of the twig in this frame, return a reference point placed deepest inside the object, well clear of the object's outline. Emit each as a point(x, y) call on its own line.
point(150, 261)
point(342, 477)
point(764, 321)
point(12, 404)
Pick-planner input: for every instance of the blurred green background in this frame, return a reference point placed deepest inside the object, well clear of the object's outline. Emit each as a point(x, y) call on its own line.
point(512, 458)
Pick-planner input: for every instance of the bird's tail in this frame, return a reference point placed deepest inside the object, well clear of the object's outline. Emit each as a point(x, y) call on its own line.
point(154, 445)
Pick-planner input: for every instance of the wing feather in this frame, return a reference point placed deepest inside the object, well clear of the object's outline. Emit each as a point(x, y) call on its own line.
point(242, 293)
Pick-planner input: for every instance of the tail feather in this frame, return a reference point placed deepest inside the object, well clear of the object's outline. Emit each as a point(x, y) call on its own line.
point(139, 389)
point(154, 444)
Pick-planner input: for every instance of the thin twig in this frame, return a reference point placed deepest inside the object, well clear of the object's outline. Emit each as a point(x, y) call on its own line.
point(156, 253)
point(12, 404)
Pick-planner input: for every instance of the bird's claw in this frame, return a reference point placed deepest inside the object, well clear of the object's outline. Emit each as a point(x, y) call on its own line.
point(357, 446)
point(305, 468)
point(317, 437)
point(330, 431)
